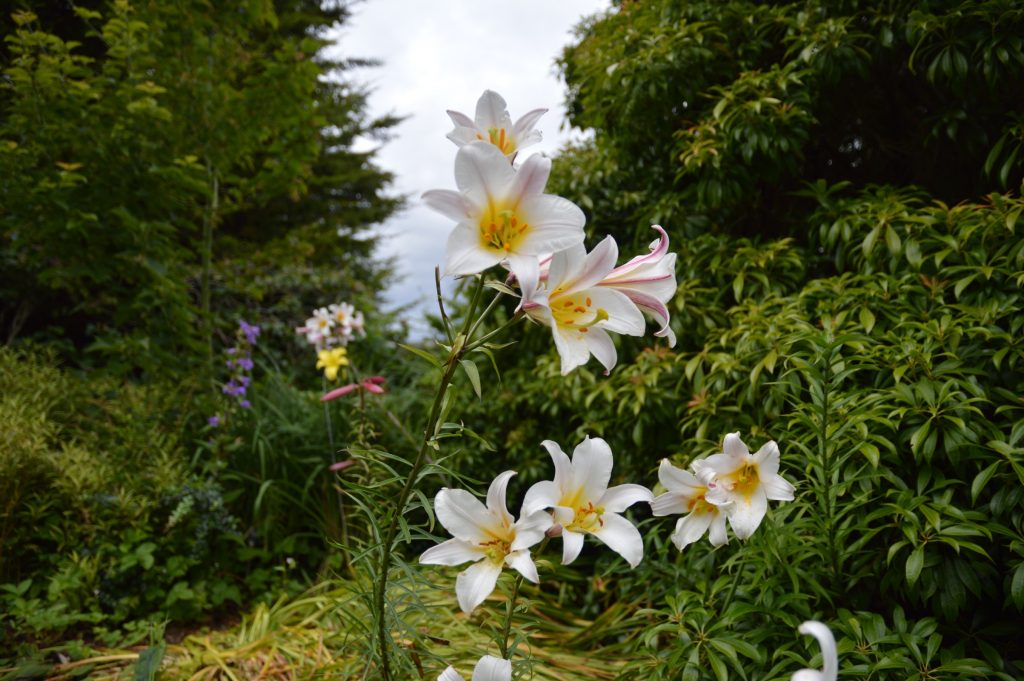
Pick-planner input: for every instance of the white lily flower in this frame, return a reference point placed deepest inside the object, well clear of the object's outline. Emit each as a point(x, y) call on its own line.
point(487, 535)
point(582, 503)
point(745, 482)
point(650, 282)
point(489, 668)
point(578, 310)
point(503, 214)
point(830, 660)
point(494, 125)
point(686, 495)
point(341, 313)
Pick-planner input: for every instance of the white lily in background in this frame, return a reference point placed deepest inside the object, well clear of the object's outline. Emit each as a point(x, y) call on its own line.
point(582, 503)
point(494, 125)
point(489, 668)
point(745, 482)
point(830, 660)
point(503, 214)
point(650, 282)
point(487, 535)
point(686, 495)
point(579, 312)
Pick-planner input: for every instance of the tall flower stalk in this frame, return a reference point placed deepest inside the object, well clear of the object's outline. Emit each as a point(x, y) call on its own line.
point(461, 344)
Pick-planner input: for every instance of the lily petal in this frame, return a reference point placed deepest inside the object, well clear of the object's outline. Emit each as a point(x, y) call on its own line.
point(491, 110)
point(669, 503)
point(778, 488)
point(491, 668)
point(482, 171)
point(461, 514)
point(530, 530)
point(452, 552)
point(557, 224)
point(450, 675)
point(531, 178)
point(677, 479)
point(601, 346)
point(525, 125)
point(623, 316)
point(745, 516)
point(617, 499)
point(452, 205)
point(622, 537)
point(592, 463)
point(733, 446)
point(717, 534)
point(496, 496)
point(691, 528)
point(464, 254)
point(830, 659)
point(572, 347)
point(521, 562)
point(475, 584)
point(572, 544)
point(541, 495)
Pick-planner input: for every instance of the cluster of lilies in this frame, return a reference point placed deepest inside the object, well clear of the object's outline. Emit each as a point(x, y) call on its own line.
point(504, 218)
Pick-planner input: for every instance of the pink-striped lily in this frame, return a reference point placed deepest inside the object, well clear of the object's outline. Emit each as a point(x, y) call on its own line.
point(649, 281)
point(503, 215)
point(494, 125)
point(578, 310)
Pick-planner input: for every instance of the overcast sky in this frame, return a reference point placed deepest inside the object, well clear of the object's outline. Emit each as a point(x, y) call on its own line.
point(441, 55)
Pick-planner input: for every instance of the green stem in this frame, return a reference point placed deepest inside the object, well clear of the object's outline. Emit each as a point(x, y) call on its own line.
point(486, 337)
point(459, 348)
point(735, 583)
point(327, 421)
point(510, 608)
point(503, 643)
point(445, 322)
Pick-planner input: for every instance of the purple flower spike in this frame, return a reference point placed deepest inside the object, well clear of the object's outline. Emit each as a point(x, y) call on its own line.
point(251, 331)
point(213, 421)
point(245, 404)
point(244, 363)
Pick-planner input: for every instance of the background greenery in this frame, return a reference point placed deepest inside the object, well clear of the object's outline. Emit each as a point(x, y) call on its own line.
point(840, 179)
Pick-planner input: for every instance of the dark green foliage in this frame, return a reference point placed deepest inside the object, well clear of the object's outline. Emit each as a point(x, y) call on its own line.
point(165, 170)
point(155, 148)
point(709, 115)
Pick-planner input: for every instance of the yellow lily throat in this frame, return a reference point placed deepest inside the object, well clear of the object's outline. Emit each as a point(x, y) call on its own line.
point(499, 138)
point(744, 480)
point(587, 518)
point(570, 310)
point(496, 550)
point(501, 230)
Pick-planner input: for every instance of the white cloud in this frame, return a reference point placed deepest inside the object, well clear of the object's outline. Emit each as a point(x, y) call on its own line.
point(442, 55)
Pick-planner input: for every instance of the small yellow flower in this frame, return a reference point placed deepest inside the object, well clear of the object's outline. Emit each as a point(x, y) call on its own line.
point(330, 360)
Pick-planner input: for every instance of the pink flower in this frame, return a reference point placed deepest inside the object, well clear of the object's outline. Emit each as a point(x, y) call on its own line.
point(371, 384)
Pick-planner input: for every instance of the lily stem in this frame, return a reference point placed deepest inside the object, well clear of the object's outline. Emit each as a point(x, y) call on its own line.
point(509, 610)
point(503, 642)
point(459, 348)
